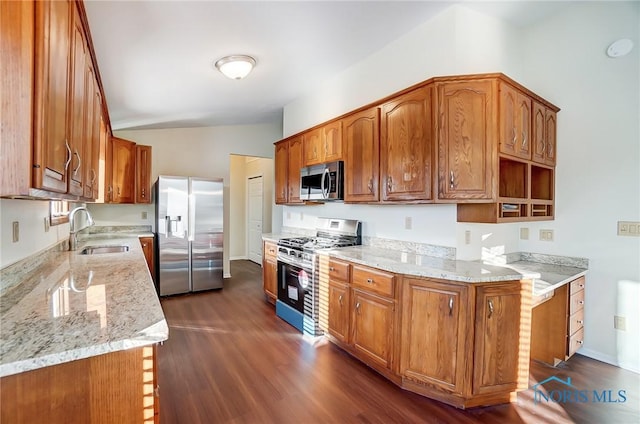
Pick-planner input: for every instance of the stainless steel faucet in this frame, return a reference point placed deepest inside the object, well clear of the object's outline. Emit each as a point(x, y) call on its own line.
point(73, 233)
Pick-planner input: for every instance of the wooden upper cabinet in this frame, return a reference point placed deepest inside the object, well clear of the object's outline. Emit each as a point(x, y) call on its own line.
point(79, 106)
point(323, 144)
point(52, 150)
point(362, 156)
point(515, 122)
point(498, 325)
point(293, 173)
point(281, 164)
point(123, 157)
point(544, 134)
point(406, 146)
point(466, 136)
point(434, 334)
point(143, 174)
point(93, 129)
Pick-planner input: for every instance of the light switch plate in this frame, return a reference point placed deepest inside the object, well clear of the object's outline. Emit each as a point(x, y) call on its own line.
point(546, 235)
point(16, 231)
point(144, 214)
point(524, 233)
point(629, 228)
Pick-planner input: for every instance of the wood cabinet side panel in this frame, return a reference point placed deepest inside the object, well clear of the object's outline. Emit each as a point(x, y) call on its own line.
point(16, 85)
point(549, 328)
point(281, 177)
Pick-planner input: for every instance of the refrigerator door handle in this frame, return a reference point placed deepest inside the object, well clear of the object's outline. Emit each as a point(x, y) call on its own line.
point(191, 224)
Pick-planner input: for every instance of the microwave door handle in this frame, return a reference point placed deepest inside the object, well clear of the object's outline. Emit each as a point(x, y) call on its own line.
point(325, 188)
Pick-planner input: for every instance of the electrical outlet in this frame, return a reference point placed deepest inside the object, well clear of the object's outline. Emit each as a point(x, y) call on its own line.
point(524, 233)
point(619, 323)
point(546, 235)
point(144, 215)
point(46, 224)
point(467, 237)
point(16, 231)
point(407, 223)
point(629, 228)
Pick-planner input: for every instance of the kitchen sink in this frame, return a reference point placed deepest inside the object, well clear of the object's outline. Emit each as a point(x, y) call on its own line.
point(96, 250)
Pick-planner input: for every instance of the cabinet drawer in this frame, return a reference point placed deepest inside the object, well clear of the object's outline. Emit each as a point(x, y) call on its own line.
point(373, 280)
point(576, 302)
point(577, 285)
point(576, 321)
point(270, 250)
point(576, 341)
point(338, 270)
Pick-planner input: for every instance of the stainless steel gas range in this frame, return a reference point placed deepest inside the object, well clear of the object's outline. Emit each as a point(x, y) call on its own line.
point(298, 285)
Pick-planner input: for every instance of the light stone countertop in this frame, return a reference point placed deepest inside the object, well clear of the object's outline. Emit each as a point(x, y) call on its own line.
point(73, 306)
point(546, 277)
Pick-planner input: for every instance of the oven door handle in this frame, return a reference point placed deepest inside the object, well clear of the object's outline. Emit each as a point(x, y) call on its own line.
point(325, 187)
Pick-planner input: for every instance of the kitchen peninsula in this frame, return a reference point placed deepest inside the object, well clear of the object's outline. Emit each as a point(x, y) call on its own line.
point(452, 330)
point(79, 334)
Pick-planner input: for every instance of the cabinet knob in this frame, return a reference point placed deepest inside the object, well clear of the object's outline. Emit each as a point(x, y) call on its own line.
point(370, 280)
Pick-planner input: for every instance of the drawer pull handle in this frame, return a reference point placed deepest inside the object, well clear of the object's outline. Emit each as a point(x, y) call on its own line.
point(580, 302)
point(331, 268)
point(580, 321)
point(450, 306)
point(490, 302)
point(451, 180)
point(370, 280)
point(579, 342)
point(581, 286)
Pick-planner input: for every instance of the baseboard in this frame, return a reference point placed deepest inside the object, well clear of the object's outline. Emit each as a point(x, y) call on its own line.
point(238, 258)
point(598, 356)
point(226, 275)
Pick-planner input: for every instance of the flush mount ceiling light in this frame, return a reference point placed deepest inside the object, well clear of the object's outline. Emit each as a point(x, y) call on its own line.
point(236, 66)
point(620, 47)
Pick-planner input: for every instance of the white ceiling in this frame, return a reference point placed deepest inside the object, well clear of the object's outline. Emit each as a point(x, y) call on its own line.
point(156, 57)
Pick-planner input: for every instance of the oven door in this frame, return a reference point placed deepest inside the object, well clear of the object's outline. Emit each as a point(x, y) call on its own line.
point(293, 282)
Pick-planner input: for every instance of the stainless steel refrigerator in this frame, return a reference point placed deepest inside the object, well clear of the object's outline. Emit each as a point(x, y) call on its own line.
point(189, 217)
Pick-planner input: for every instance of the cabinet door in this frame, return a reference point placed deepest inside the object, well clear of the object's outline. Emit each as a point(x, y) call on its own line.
point(339, 311)
point(544, 134)
point(143, 174)
point(52, 152)
point(498, 338)
point(282, 164)
point(406, 146)
point(148, 248)
point(361, 137)
point(270, 278)
point(78, 105)
point(295, 163)
point(515, 122)
point(466, 133)
point(332, 141)
point(550, 137)
point(434, 333)
point(312, 147)
point(123, 170)
point(372, 327)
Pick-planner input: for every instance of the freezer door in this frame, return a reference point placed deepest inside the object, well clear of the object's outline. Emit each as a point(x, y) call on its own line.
point(173, 242)
point(206, 233)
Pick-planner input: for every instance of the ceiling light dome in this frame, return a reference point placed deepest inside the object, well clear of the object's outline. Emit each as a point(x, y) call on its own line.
point(236, 66)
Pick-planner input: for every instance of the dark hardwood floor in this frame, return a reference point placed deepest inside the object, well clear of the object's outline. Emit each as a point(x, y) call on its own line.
point(229, 359)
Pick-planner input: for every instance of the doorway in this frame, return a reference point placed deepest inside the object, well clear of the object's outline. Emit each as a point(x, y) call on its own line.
point(255, 217)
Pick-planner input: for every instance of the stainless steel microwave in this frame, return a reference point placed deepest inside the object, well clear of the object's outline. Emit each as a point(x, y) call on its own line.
point(322, 182)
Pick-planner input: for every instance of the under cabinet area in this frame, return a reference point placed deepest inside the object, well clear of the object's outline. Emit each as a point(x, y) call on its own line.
point(558, 323)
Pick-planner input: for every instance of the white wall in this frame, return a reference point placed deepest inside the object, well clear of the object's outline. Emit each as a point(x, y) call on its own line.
point(562, 59)
point(201, 152)
point(30, 215)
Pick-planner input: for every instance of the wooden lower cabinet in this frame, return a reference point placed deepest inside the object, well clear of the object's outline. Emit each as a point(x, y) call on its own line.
point(372, 326)
point(148, 248)
point(433, 315)
point(118, 387)
point(558, 323)
point(270, 271)
point(463, 344)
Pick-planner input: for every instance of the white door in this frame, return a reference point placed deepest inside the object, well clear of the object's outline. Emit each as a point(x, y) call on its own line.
point(255, 219)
